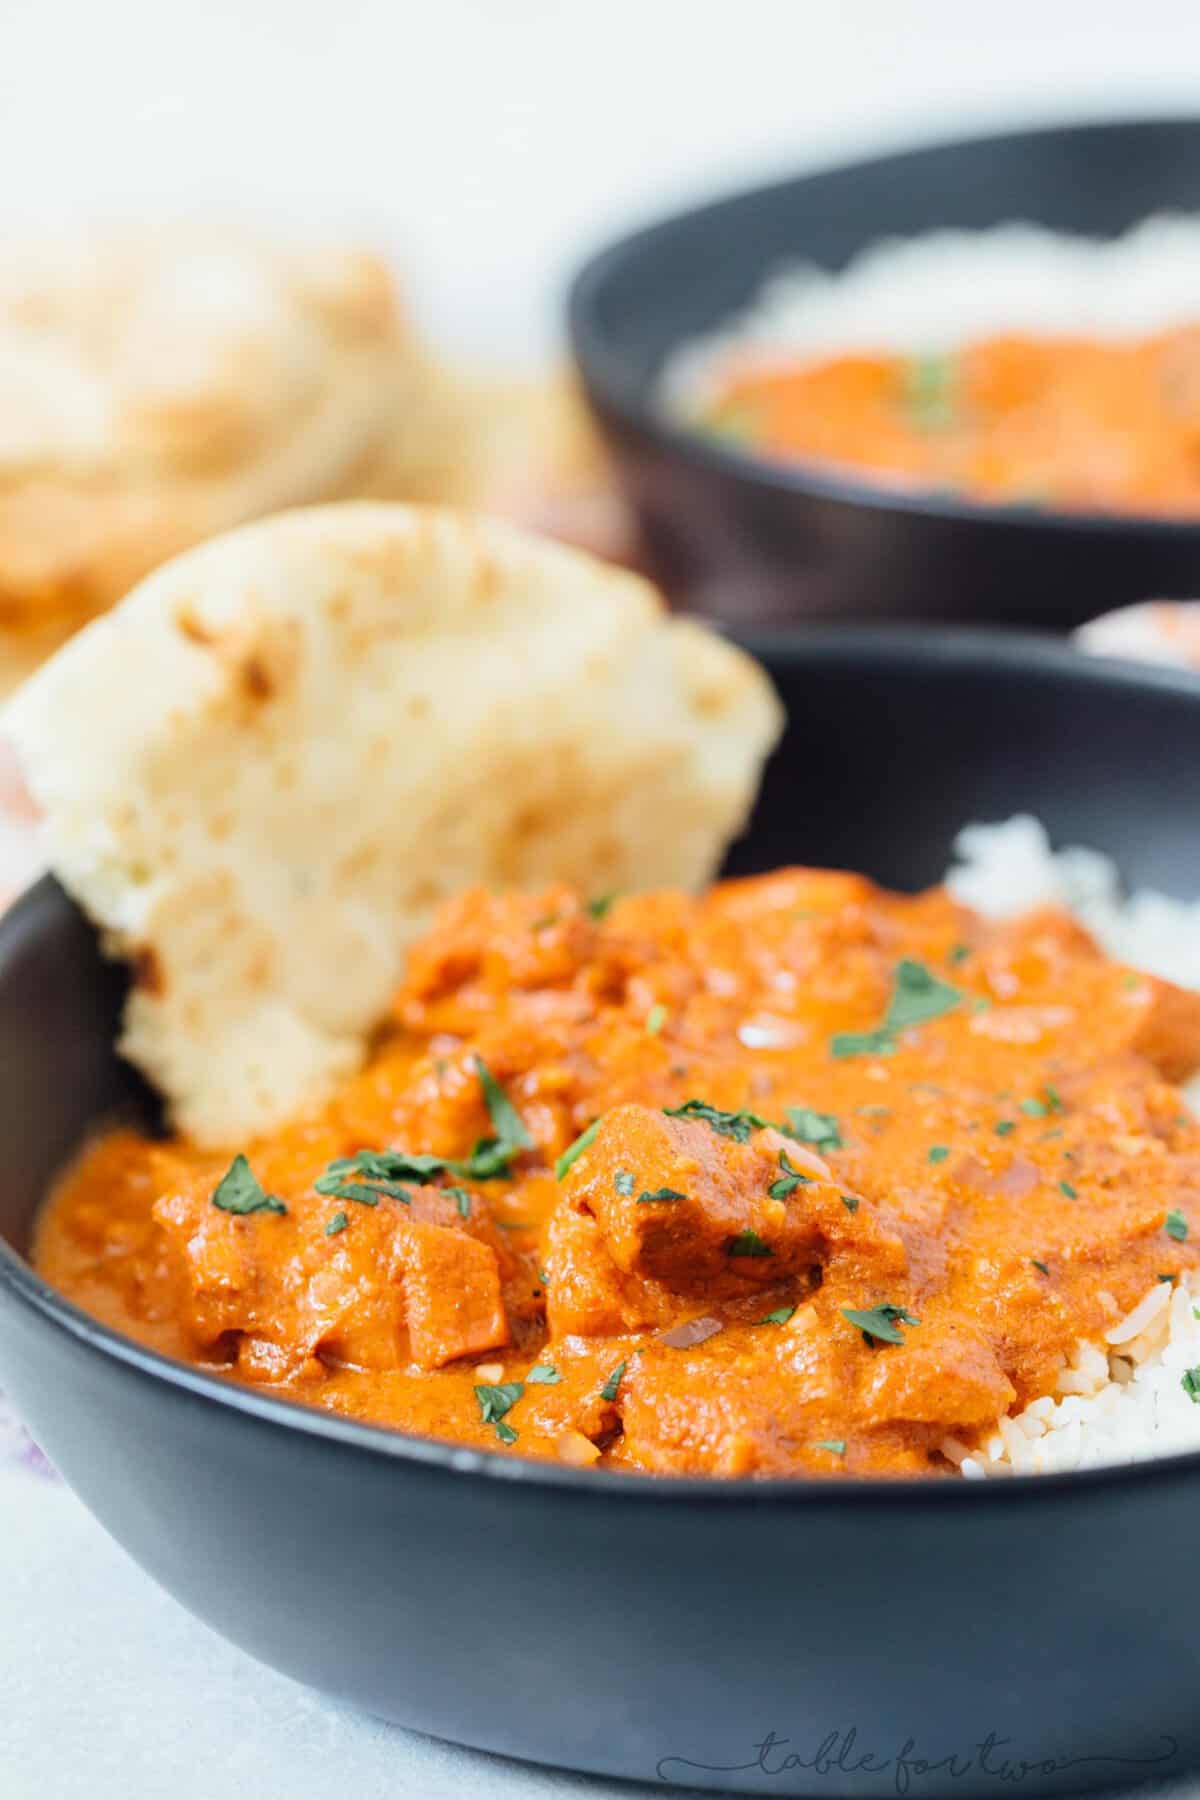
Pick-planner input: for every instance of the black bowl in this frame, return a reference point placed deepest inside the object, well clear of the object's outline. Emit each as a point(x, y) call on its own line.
point(669, 1629)
point(759, 544)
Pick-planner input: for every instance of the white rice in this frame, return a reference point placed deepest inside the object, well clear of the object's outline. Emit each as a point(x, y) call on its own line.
point(937, 292)
point(1123, 1399)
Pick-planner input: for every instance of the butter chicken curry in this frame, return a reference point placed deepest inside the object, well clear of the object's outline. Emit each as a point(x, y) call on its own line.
point(799, 1177)
point(1063, 422)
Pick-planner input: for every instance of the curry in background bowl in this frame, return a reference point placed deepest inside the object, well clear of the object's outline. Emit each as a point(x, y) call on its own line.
point(1014, 365)
point(987, 455)
point(1073, 424)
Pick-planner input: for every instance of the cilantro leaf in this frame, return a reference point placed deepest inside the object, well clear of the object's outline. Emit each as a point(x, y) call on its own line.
point(735, 1125)
point(747, 1243)
point(780, 1316)
point(461, 1199)
point(930, 392)
point(240, 1191)
point(819, 1129)
point(917, 996)
point(493, 1156)
point(574, 1151)
point(609, 1390)
point(495, 1401)
point(881, 1323)
point(789, 1181)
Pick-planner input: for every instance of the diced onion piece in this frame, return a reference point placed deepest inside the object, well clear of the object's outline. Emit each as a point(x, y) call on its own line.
point(572, 1447)
point(692, 1331)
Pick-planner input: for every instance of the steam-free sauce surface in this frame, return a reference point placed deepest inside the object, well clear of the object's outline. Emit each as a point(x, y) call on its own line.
point(864, 1169)
point(1062, 422)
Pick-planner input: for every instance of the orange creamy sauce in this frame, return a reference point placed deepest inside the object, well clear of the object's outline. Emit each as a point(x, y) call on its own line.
point(1064, 422)
point(1004, 1167)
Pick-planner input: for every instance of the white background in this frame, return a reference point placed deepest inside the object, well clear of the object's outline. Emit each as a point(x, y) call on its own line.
point(490, 141)
point(487, 143)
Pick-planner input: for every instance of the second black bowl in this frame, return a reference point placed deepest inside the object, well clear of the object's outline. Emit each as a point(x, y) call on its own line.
point(760, 544)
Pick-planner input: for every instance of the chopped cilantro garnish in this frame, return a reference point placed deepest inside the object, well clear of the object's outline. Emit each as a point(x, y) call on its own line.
point(494, 1402)
point(493, 1156)
point(576, 1150)
point(850, 1202)
point(505, 1432)
point(747, 1243)
point(384, 1169)
point(917, 996)
point(544, 1374)
point(735, 1125)
point(370, 1175)
point(789, 1181)
point(461, 1199)
point(938, 1152)
point(1177, 1226)
point(1037, 1106)
point(624, 1182)
point(929, 394)
point(609, 1390)
point(835, 1446)
point(338, 1223)
point(819, 1129)
point(1039, 1265)
point(1190, 1384)
point(656, 1018)
point(1004, 1126)
point(780, 1316)
point(663, 1193)
point(879, 1042)
point(240, 1191)
point(1064, 1187)
point(1165, 1277)
point(881, 1323)
point(598, 908)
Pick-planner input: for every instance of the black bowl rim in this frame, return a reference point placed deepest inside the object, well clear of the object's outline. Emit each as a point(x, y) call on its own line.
point(969, 648)
point(634, 405)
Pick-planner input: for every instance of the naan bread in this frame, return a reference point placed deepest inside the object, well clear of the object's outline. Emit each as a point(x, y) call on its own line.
point(265, 768)
point(160, 385)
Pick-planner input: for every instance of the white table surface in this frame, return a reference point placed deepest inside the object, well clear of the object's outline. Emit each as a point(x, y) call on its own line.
point(487, 143)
